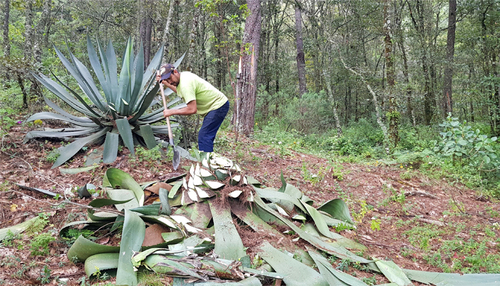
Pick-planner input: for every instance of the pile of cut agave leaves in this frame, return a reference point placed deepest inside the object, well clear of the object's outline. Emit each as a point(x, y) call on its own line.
point(194, 215)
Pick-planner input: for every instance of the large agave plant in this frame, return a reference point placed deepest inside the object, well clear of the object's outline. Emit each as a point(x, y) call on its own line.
point(115, 111)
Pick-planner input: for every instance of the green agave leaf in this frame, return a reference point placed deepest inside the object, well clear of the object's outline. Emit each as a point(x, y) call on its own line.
point(319, 222)
point(83, 83)
point(116, 178)
point(90, 87)
point(78, 104)
point(68, 151)
point(252, 281)
point(294, 273)
point(150, 72)
point(393, 272)
point(252, 220)
point(64, 113)
point(286, 201)
point(49, 115)
point(124, 195)
point(110, 69)
point(338, 209)
point(333, 276)
point(111, 144)
point(453, 279)
point(84, 248)
point(101, 262)
point(148, 135)
point(60, 133)
point(137, 74)
point(165, 205)
point(228, 244)
point(125, 131)
point(133, 233)
point(153, 209)
point(74, 171)
point(318, 243)
point(199, 214)
point(82, 225)
point(124, 87)
point(97, 203)
point(144, 103)
point(16, 229)
point(96, 66)
point(162, 264)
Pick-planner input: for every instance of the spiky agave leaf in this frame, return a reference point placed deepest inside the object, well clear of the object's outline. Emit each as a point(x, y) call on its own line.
point(118, 101)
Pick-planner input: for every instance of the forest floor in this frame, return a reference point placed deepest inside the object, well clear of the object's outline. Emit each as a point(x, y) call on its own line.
point(402, 215)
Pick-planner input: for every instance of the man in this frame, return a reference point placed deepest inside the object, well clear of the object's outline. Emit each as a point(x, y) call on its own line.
point(201, 97)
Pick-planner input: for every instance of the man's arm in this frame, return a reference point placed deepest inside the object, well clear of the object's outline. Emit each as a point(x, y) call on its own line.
point(188, 110)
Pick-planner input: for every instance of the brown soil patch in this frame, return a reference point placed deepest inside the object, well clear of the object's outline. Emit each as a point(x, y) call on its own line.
point(427, 202)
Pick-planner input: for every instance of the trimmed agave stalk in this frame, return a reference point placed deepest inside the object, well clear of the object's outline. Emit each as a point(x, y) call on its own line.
point(119, 106)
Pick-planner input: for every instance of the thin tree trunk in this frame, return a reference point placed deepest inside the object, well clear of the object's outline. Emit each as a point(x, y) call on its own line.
point(247, 82)
point(191, 55)
point(164, 38)
point(450, 51)
point(6, 41)
point(326, 75)
point(301, 62)
point(375, 101)
point(389, 62)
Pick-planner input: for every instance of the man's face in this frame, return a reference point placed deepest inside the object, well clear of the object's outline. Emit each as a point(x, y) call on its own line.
point(173, 79)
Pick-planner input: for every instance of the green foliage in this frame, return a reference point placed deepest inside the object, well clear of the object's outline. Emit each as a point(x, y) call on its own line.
point(7, 119)
point(375, 224)
point(39, 245)
point(466, 146)
point(45, 277)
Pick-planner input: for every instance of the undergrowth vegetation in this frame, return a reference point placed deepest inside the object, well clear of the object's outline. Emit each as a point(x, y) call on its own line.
point(461, 152)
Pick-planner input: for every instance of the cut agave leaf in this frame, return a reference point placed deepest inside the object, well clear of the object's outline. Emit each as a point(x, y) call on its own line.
point(84, 248)
point(228, 244)
point(338, 209)
point(192, 195)
point(333, 276)
point(393, 272)
point(235, 194)
point(101, 262)
point(214, 185)
point(133, 233)
point(294, 273)
point(116, 178)
point(18, 228)
point(453, 279)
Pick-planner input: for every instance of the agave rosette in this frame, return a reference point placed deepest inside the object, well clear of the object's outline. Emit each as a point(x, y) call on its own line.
point(117, 110)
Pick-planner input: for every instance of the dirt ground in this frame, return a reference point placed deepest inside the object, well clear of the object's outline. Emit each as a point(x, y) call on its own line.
point(425, 201)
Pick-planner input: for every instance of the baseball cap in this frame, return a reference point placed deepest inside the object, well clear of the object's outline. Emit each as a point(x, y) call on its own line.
point(166, 70)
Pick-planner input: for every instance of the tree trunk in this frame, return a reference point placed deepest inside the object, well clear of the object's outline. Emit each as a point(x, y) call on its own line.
point(247, 82)
point(6, 41)
point(393, 114)
point(28, 31)
point(191, 55)
point(164, 38)
point(41, 30)
point(145, 28)
point(326, 75)
point(301, 62)
point(450, 51)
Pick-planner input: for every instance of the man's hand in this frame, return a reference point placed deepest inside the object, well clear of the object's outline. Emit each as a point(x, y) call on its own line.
point(188, 110)
point(167, 113)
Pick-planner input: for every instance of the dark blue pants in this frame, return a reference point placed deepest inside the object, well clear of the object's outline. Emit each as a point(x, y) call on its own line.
point(210, 126)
